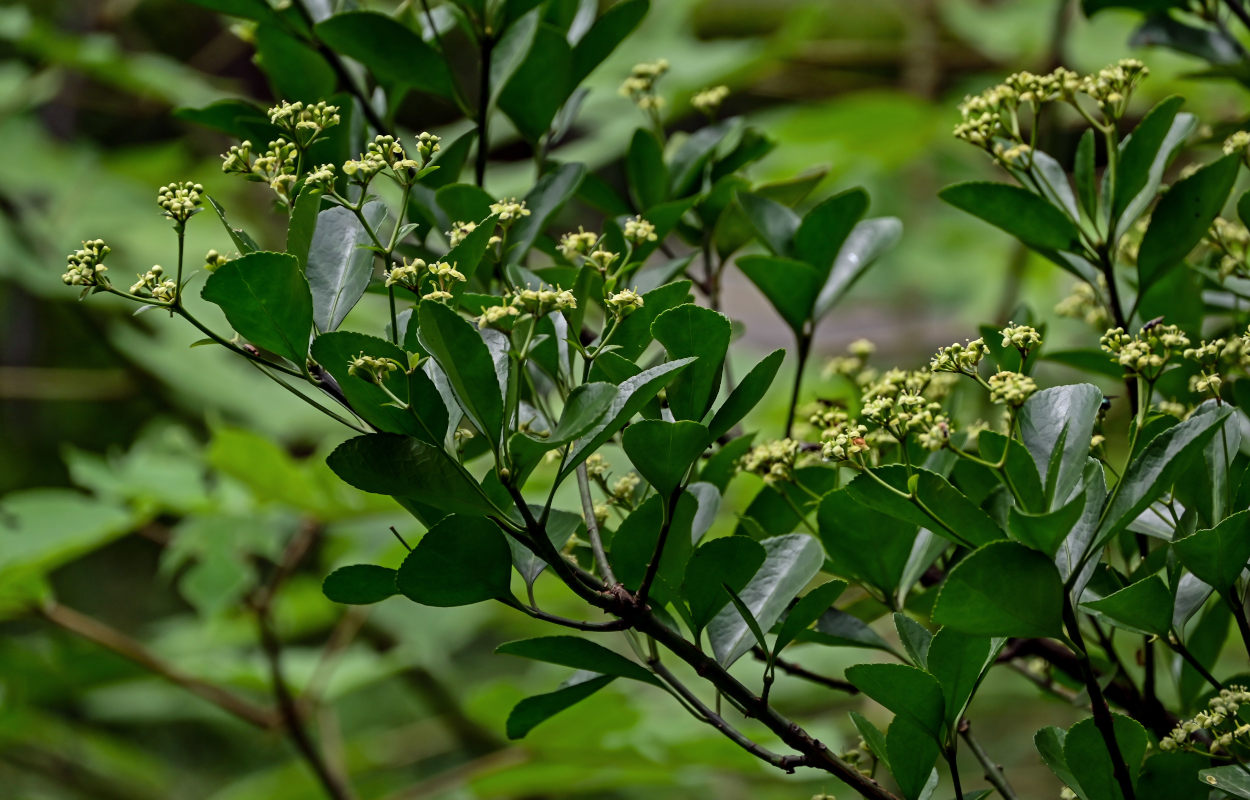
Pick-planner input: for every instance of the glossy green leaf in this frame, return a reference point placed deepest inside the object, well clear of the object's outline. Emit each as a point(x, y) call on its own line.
point(825, 228)
point(460, 561)
point(585, 406)
point(1090, 761)
point(244, 242)
point(633, 334)
point(393, 53)
point(731, 561)
point(1049, 743)
point(532, 711)
point(359, 584)
point(751, 389)
point(790, 562)
point(837, 628)
point(1017, 211)
point(691, 331)
point(637, 538)
point(1002, 589)
point(549, 195)
point(1056, 425)
point(1141, 607)
point(1045, 532)
point(467, 255)
point(1083, 174)
point(1217, 556)
point(803, 614)
point(646, 171)
point(1167, 776)
point(913, 753)
point(864, 544)
point(941, 507)
point(540, 85)
point(959, 662)
point(867, 242)
point(915, 638)
point(578, 653)
point(663, 452)
point(339, 266)
point(1231, 779)
point(775, 224)
point(747, 617)
point(1143, 155)
point(334, 352)
point(689, 163)
point(295, 70)
point(605, 34)
point(790, 286)
point(631, 395)
point(407, 468)
point(1183, 217)
point(266, 299)
point(466, 360)
point(303, 224)
point(910, 693)
point(510, 51)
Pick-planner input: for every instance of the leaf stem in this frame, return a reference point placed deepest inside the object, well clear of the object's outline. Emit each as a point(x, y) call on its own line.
point(592, 525)
point(804, 341)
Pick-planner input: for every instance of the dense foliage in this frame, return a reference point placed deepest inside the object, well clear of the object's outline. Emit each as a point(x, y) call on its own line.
point(514, 363)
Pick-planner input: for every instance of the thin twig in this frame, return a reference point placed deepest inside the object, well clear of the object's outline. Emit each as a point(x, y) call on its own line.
point(592, 525)
point(993, 771)
point(799, 671)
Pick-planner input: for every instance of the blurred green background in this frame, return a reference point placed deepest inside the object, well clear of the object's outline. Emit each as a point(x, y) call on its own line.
point(171, 481)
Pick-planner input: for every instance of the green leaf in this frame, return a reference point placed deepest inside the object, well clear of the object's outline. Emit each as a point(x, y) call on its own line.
point(915, 638)
point(1002, 589)
point(1141, 607)
point(1217, 556)
point(548, 196)
point(561, 526)
point(1243, 208)
point(240, 237)
point(467, 255)
point(537, 709)
point(586, 405)
point(663, 452)
point(461, 351)
point(1019, 212)
point(393, 53)
point(1045, 532)
point(911, 693)
point(1231, 779)
point(790, 562)
point(334, 351)
point(731, 561)
point(1167, 776)
point(913, 754)
point(941, 507)
point(1183, 217)
point(541, 85)
point(864, 544)
point(359, 584)
point(460, 561)
point(746, 395)
point(790, 286)
point(959, 662)
point(632, 394)
point(603, 37)
point(1152, 472)
point(747, 617)
point(303, 224)
point(1143, 156)
point(409, 469)
point(1090, 762)
point(1083, 174)
point(693, 331)
point(571, 651)
point(646, 171)
point(1049, 743)
point(867, 242)
point(689, 164)
point(807, 611)
point(266, 299)
point(295, 70)
point(837, 628)
point(633, 334)
point(873, 738)
point(826, 227)
point(1056, 425)
point(511, 50)
point(258, 10)
point(339, 266)
point(637, 538)
point(776, 225)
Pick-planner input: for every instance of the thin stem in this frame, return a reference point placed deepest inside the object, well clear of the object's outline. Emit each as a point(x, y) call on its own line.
point(592, 525)
point(797, 670)
point(653, 566)
point(1190, 659)
point(804, 347)
point(1239, 614)
point(993, 772)
point(487, 44)
point(802, 515)
point(953, 763)
point(1098, 703)
point(577, 625)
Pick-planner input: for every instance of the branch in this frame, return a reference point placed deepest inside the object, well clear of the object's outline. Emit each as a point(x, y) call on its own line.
point(993, 772)
point(799, 671)
point(112, 639)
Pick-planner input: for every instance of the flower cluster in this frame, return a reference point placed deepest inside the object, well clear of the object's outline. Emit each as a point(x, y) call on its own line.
point(1217, 730)
point(371, 368)
point(153, 283)
point(459, 232)
point(85, 267)
point(854, 363)
point(1011, 388)
point(1147, 354)
point(624, 303)
point(409, 274)
point(773, 461)
point(909, 412)
point(1085, 303)
point(541, 302)
point(638, 231)
point(494, 316)
point(320, 179)
point(1232, 241)
point(180, 200)
point(427, 146)
point(577, 244)
point(840, 442)
point(305, 123)
point(276, 166)
point(960, 358)
point(214, 261)
point(709, 100)
point(509, 211)
point(1022, 337)
point(640, 85)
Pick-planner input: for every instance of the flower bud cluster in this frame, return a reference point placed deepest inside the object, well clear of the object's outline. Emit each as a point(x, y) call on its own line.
point(494, 316)
point(321, 179)
point(1022, 337)
point(214, 261)
point(509, 211)
point(180, 200)
point(640, 85)
point(371, 368)
point(1085, 303)
point(841, 442)
point(427, 146)
point(1011, 388)
point(305, 123)
point(638, 231)
point(459, 232)
point(1147, 354)
point(1232, 241)
point(854, 364)
point(156, 285)
point(773, 461)
point(624, 303)
point(541, 302)
point(577, 244)
point(275, 167)
point(709, 100)
point(409, 274)
point(906, 413)
point(1217, 730)
point(85, 267)
point(960, 358)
